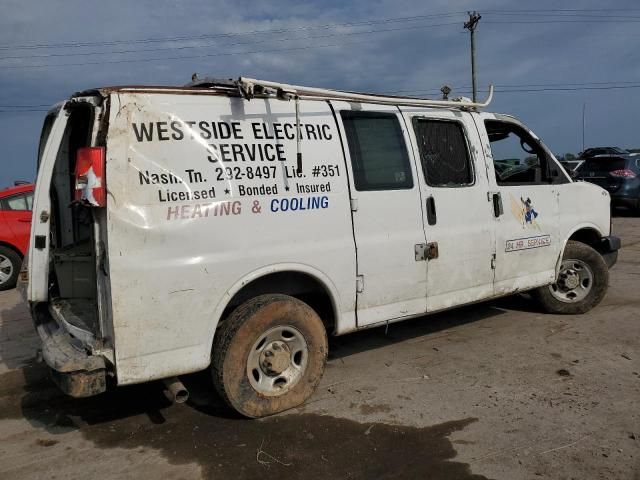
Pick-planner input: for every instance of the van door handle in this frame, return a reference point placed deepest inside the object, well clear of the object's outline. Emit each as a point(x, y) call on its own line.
point(497, 205)
point(432, 217)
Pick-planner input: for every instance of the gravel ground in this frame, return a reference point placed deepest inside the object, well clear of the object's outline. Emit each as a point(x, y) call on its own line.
point(496, 390)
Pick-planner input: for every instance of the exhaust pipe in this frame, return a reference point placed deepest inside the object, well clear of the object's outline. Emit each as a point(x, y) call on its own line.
point(175, 391)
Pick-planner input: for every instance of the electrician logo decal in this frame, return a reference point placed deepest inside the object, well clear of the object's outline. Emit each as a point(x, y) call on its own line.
point(524, 212)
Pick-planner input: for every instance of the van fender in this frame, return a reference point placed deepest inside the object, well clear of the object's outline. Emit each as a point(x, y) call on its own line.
point(581, 226)
point(318, 275)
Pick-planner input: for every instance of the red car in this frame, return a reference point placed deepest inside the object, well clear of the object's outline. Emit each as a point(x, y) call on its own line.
point(15, 226)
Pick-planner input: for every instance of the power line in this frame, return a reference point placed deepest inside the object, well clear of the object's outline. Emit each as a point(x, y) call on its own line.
point(511, 22)
point(25, 110)
point(519, 11)
point(207, 55)
point(524, 90)
point(569, 89)
point(520, 85)
point(230, 34)
point(563, 14)
point(185, 57)
point(558, 12)
point(308, 37)
point(25, 106)
point(539, 12)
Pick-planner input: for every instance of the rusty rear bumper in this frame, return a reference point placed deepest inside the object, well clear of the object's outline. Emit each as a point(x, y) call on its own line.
point(73, 369)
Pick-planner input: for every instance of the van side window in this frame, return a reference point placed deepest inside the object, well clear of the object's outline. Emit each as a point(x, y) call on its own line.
point(379, 156)
point(443, 153)
point(518, 158)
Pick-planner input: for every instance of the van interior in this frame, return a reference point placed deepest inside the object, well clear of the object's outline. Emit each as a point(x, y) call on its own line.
point(72, 282)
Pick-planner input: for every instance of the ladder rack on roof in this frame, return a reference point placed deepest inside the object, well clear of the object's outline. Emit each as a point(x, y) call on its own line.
point(250, 86)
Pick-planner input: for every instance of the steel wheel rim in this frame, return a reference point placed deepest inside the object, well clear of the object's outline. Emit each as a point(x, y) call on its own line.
point(6, 269)
point(277, 360)
point(574, 283)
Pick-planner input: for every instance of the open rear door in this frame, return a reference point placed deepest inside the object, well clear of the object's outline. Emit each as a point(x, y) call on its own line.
point(39, 243)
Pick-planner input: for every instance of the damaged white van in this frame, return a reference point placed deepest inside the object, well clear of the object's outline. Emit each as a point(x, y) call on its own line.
point(233, 225)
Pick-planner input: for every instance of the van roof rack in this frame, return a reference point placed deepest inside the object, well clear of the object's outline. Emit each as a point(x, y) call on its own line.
point(249, 87)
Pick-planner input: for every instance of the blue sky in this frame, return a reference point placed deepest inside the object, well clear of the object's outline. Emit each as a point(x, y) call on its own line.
point(417, 47)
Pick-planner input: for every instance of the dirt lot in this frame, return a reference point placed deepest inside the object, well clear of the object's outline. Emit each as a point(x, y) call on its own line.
point(497, 390)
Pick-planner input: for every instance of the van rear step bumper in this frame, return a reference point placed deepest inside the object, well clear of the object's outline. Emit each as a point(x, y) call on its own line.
point(75, 371)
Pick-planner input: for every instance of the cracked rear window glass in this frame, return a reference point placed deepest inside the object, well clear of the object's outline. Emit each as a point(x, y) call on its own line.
point(443, 153)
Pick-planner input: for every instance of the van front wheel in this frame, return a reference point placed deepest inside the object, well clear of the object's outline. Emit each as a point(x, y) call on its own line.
point(581, 284)
point(269, 355)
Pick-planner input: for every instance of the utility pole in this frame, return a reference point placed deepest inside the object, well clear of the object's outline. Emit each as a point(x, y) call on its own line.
point(584, 108)
point(474, 18)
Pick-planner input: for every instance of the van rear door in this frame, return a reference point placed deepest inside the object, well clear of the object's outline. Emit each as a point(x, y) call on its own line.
point(67, 228)
point(37, 290)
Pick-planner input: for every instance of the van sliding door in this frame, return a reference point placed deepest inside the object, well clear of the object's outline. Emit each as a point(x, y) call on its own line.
point(387, 216)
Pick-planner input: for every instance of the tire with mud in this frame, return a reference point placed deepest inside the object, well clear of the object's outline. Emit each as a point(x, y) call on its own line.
point(581, 284)
point(269, 355)
point(10, 263)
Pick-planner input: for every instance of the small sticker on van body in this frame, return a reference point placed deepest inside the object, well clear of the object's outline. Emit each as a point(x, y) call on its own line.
point(527, 243)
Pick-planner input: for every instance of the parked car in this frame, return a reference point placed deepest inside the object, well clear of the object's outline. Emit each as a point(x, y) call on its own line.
point(15, 227)
point(619, 175)
point(595, 151)
point(235, 225)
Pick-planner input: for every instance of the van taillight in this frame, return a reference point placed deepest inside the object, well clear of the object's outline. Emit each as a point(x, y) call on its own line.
point(90, 181)
point(623, 173)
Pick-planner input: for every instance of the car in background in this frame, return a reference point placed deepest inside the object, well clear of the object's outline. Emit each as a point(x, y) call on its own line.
point(596, 151)
point(618, 174)
point(15, 227)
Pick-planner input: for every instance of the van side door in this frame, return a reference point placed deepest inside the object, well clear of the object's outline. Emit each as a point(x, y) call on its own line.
point(387, 216)
point(457, 213)
point(525, 179)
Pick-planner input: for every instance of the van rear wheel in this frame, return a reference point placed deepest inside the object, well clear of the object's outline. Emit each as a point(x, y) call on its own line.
point(10, 263)
point(269, 355)
point(581, 284)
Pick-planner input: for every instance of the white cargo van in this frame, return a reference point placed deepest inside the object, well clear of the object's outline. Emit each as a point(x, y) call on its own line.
point(233, 225)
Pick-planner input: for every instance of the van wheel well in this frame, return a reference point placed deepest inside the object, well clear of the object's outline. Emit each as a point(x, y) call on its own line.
point(296, 284)
point(588, 236)
point(8, 245)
